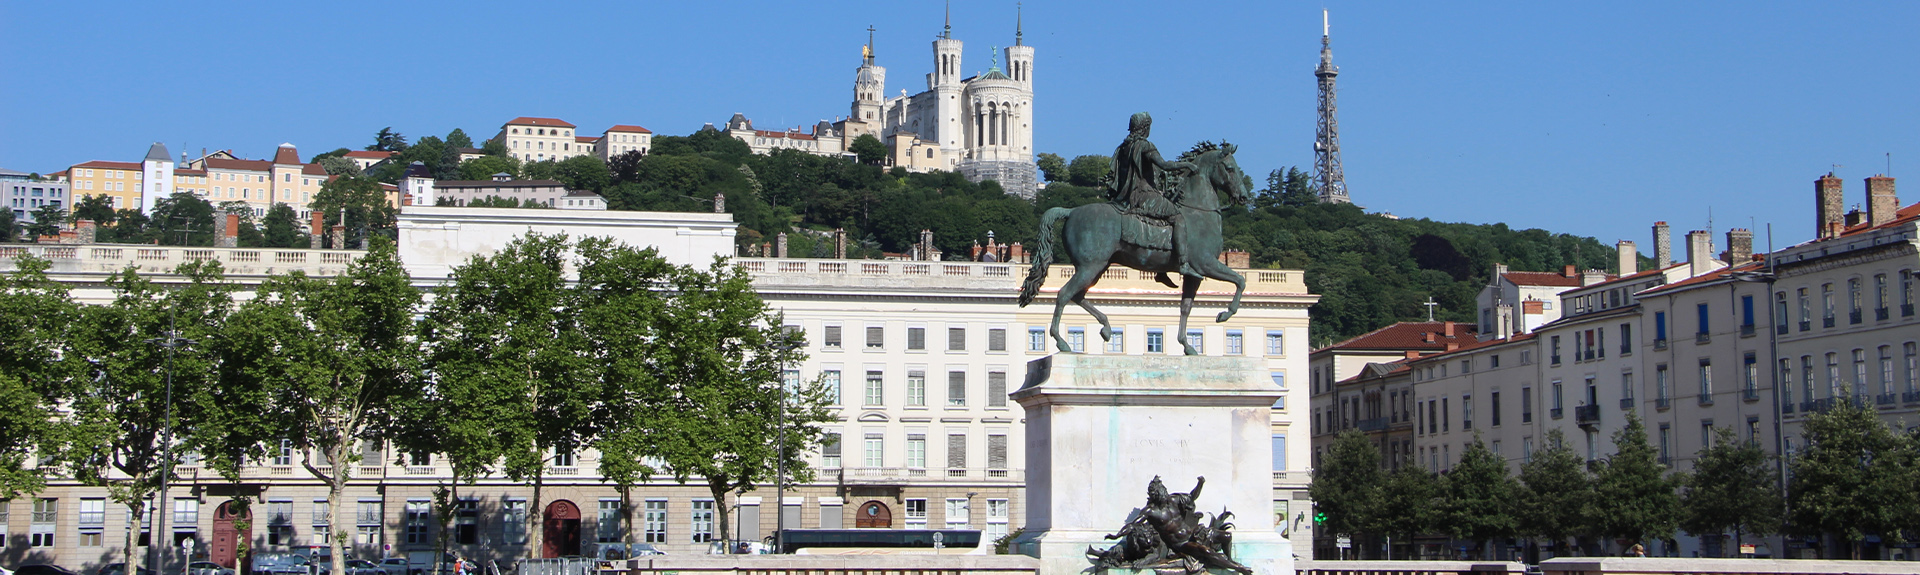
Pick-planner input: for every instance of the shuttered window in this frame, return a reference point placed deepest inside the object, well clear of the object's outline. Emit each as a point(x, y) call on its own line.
point(956, 455)
point(996, 452)
point(876, 337)
point(916, 338)
point(996, 389)
point(956, 339)
point(997, 339)
point(957, 388)
point(833, 336)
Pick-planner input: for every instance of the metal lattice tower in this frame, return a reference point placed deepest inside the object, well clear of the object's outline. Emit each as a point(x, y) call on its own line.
point(1326, 144)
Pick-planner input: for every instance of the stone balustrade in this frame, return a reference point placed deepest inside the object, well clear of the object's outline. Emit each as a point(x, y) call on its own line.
point(903, 562)
point(1702, 566)
point(110, 258)
point(1302, 567)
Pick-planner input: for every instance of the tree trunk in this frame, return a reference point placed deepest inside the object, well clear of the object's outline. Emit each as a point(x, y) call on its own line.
point(536, 527)
point(626, 519)
point(135, 518)
point(337, 487)
point(447, 513)
point(719, 489)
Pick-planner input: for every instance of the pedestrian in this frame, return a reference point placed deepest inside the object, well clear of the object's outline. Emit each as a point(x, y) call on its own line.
point(1637, 551)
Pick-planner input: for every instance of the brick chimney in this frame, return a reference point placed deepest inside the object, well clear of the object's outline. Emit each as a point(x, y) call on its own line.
point(1428, 336)
point(719, 202)
point(1699, 252)
point(1854, 217)
point(1591, 277)
point(84, 231)
point(839, 242)
point(317, 233)
point(1629, 257)
point(1827, 205)
point(1881, 201)
point(230, 233)
point(340, 235)
point(1662, 245)
point(780, 245)
point(1236, 259)
point(1449, 328)
point(1739, 246)
point(1569, 272)
point(1017, 253)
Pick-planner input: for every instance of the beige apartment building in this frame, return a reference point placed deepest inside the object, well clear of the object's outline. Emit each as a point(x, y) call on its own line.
point(622, 138)
point(119, 181)
point(531, 139)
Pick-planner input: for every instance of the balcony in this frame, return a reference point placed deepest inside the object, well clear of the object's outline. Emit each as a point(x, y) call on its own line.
point(1826, 321)
point(1554, 413)
point(905, 475)
point(1626, 403)
point(1705, 399)
point(1881, 314)
point(1805, 325)
point(1587, 415)
point(1373, 424)
point(1906, 310)
point(1702, 338)
point(1662, 403)
point(1746, 330)
point(1786, 408)
point(1886, 399)
point(1910, 397)
point(1780, 329)
point(1660, 344)
point(1749, 395)
point(1853, 317)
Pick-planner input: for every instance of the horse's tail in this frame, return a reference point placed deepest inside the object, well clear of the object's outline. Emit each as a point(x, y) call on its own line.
point(1042, 255)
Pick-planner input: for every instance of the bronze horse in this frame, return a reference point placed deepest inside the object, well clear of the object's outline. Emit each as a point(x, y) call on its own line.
point(1098, 235)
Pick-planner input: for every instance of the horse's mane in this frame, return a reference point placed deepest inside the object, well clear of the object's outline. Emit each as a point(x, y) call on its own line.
point(1201, 148)
point(1172, 186)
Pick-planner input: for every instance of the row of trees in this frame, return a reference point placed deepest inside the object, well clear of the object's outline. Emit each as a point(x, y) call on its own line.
point(546, 347)
point(1854, 478)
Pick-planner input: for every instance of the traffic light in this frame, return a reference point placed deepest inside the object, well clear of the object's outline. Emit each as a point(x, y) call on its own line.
point(1319, 517)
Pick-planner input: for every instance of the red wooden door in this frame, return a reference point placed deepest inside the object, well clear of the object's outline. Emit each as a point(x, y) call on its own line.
point(873, 515)
point(561, 530)
point(227, 536)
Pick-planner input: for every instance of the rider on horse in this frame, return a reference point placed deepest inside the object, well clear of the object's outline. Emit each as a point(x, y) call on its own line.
point(1136, 166)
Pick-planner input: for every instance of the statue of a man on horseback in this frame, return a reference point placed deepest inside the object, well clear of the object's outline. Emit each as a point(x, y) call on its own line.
point(1153, 223)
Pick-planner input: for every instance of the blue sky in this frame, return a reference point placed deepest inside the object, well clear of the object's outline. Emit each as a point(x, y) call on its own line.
point(1594, 119)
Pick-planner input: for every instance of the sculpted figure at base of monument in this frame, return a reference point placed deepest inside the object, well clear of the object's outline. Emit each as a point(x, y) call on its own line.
point(1168, 532)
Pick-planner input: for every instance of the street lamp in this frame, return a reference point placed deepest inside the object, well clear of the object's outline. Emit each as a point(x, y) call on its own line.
point(172, 342)
point(780, 460)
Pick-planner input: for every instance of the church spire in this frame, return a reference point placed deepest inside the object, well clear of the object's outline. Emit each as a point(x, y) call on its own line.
point(866, 52)
point(947, 33)
point(1017, 13)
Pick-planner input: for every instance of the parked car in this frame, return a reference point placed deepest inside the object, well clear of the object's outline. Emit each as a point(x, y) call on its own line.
point(281, 564)
point(364, 567)
point(394, 565)
point(119, 569)
point(43, 569)
point(207, 568)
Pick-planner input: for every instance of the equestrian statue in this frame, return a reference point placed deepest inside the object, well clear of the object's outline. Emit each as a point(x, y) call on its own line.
point(1162, 217)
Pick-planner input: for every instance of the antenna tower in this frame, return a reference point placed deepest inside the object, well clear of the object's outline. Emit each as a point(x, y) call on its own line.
point(1326, 144)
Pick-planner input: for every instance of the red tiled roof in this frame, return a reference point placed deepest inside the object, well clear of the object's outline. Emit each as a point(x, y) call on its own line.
point(629, 128)
point(1550, 279)
point(188, 172)
point(532, 121)
point(286, 155)
point(1900, 216)
point(795, 135)
point(369, 154)
point(1471, 347)
point(1393, 367)
point(313, 170)
point(135, 166)
point(584, 139)
point(1711, 276)
point(246, 165)
point(1410, 335)
point(1637, 275)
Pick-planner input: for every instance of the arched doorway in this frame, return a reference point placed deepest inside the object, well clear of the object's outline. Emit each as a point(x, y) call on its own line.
point(873, 515)
point(227, 536)
point(561, 534)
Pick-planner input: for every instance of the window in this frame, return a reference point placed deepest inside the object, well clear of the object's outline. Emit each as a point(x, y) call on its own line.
point(876, 338)
point(1526, 405)
point(368, 520)
point(321, 519)
point(1466, 411)
point(916, 513)
point(917, 451)
point(1706, 434)
point(916, 339)
point(956, 454)
point(1234, 343)
point(1493, 407)
point(996, 455)
point(876, 389)
point(1493, 361)
point(917, 388)
point(1433, 417)
point(830, 450)
point(419, 517)
point(1526, 450)
point(957, 513)
point(1626, 389)
point(1853, 300)
point(1859, 372)
point(832, 338)
point(956, 389)
point(997, 514)
point(1554, 356)
point(1280, 381)
point(1466, 366)
point(46, 511)
point(1806, 309)
point(701, 521)
point(93, 518)
point(1706, 379)
point(1197, 339)
point(1746, 313)
point(1913, 367)
point(956, 339)
point(1786, 382)
point(1833, 374)
point(1806, 377)
point(1780, 313)
point(996, 389)
point(608, 530)
point(1558, 395)
point(997, 339)
point(1036, 339)
point(1660, 392)
point(1156, 341)
point(875, 450)
point(656, 521)
point(186, 513)
point(1749, 374)
point(1444, 420)
point(1659, 327)
point(832, 378)
point(563, 458)
point(1701, 311)
point(1118, 344)
point(284, 456)
point(1826, 305)
point(1906, 293)
point(1276, 342)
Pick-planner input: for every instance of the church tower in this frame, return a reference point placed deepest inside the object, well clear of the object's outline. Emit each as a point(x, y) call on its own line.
point(944, 82)
point(1020, 69)
point(869, 88)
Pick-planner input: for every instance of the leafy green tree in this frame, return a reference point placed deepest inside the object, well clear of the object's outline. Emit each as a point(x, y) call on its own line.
point(98, 207)
point(388, 141)
point(46, 221)
point(1052, 167)
point(541, 170)
point(621, 305)
point(334, 153)
point(1089, 171)
point(1634, 495)
point(332, 356)
point(625, 168)
point(366, 207)
point(119, 416)
point(495, 148)
point(503, 336)
point(1346, 485)
point(182, 219)
point(35, 318)
point(583, 173)
point(1732, 488)
point(458, 138)
point(499, 202)
point(1411, 503)
point(1480, 498)
point(725, 414)
point(1557, 497)
point(281, 228)
point(1290, 187)
point(868, 150)
point(130, 226)
point(338, 166)
point(1854, 478)
point(483, 168)
point(9, 228)
point(248, 234)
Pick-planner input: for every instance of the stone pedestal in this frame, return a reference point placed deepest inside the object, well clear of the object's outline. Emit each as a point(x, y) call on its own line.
point(1100, 427)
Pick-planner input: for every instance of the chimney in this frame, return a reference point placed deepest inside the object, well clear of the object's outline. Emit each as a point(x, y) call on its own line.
point(839, 242)
point(85, 230)
point(1499, 270)
point(975, 254)
point(1881, 202)
point(719, 202)
point(1428, 336)
point(1449, 328)
point(1739, 246)
point(1855, 217)
point(230, 234)
point(780, 245)
point(1017, 253)
point(219, 226)
point(1827, 206)
point(1236, 259)
point(1568, 271)
point(1591, 277)
point(318, 231)
point(340, 235)
point(1503, 321)
point(1412, 354)
point(1662, 245)
point(1629, 257)
point(1699, 248)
